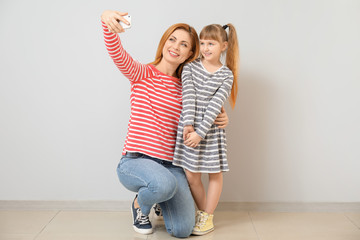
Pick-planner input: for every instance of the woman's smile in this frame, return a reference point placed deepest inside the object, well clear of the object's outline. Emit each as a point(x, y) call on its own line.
point(174, 54)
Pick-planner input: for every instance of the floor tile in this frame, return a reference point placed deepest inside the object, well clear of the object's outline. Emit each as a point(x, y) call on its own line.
point(96, 225)
point(299, 226)
point(76, 225)
point(23, 224)
point(17, 236)
point(354, 218)
point(228, 225)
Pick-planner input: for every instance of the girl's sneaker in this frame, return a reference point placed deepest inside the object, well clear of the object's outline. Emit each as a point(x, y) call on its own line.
point(204, 225)
point(198, 215)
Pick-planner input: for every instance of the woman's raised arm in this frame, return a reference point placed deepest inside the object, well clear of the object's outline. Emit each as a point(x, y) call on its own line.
point(111, 19)
point(131, 69)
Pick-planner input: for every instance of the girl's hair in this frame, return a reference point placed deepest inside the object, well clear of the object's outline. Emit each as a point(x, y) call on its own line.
point(217, 32)
point(194, 45)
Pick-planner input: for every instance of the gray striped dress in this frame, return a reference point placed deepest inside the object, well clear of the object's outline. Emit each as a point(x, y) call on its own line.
point(204, 94)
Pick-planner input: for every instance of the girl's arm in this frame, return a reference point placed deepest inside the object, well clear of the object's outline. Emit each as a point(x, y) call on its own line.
point(214, 106)
point(188, 98)
point(132, 69)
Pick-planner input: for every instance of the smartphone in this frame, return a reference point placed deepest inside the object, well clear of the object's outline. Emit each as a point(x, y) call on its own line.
point(125, 26)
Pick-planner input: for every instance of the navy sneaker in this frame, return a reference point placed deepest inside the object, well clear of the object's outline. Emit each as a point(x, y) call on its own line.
point(142, 223)
point(158, 211)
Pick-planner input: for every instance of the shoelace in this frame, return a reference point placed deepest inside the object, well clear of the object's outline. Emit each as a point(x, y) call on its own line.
point(158, 210)
point(202, 221)
point(143, 219)
point(198, 216)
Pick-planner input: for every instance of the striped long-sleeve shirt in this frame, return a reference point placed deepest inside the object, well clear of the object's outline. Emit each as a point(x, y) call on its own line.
point(156, 103)
point(206, 92)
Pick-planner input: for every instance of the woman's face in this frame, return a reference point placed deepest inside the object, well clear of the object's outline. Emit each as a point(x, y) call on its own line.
point(177, 47)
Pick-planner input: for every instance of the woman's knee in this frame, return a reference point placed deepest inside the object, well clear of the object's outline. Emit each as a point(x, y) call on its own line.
point(182, 230)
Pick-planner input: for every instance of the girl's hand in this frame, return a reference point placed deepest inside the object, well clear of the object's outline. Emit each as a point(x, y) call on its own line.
point(111, 20)
point(187, 129)
point(192, 140)
point(222, 119)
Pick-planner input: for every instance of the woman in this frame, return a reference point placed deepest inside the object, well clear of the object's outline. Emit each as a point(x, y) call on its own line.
point(146, 165)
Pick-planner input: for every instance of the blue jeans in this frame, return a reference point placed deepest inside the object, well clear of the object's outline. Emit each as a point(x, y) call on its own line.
point(158, 181)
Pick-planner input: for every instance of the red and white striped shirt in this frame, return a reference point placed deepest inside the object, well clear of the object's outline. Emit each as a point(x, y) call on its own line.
point(155, 103)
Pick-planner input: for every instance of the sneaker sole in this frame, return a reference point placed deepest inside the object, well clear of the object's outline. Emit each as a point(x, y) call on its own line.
point(143, 231)
point(202, 233)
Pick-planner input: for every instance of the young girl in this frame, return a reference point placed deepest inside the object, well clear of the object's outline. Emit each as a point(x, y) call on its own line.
point(200, 144)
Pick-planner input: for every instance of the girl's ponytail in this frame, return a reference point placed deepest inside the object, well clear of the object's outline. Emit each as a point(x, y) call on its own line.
point(232, 61)
point(218, 33)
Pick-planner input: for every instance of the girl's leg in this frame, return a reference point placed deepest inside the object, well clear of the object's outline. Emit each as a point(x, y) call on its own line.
point(179, 211)
point(205, 223)
point(197, 189)
point(214, 191)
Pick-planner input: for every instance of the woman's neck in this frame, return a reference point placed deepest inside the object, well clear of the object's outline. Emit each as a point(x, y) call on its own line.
point(167, 68)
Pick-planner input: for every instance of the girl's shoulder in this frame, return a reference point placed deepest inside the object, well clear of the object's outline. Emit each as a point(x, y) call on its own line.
point(194, 63)
point(226, 71)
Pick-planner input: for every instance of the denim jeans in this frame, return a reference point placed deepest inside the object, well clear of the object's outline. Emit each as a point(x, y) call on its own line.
point(158, 181)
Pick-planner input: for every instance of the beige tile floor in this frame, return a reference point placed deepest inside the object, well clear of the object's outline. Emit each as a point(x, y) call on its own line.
point(105, 225)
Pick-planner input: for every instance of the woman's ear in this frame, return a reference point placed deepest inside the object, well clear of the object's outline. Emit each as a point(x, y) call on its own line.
point(190, 53)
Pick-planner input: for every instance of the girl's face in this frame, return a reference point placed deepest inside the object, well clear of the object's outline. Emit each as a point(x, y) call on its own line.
point(211, 49)
point(178, 47)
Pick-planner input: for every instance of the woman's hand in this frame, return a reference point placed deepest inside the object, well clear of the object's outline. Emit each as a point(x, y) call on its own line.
point(222, 119)
point(192, 140)
point(111, 20)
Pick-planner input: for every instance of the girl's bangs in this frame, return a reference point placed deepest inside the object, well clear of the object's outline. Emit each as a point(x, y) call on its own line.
point(210, 33)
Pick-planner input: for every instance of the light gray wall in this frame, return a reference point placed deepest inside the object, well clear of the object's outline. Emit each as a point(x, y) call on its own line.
point(293, 136)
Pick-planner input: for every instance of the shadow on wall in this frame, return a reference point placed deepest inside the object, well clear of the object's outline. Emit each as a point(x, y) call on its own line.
point(256, 133)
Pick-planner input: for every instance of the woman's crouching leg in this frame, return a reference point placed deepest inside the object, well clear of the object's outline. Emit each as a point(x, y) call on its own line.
point(152, 181)
point(179, 211)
